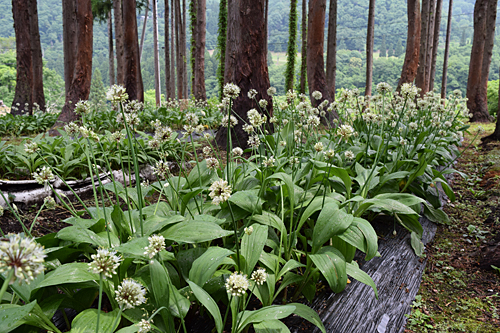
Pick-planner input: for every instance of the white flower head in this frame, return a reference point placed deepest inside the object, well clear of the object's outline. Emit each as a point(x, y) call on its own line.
point(212, 163)
point(252, 93)
point(130, 294)
point(105, 262)
point(263, 103)
point(237, 284)
point(269, 162)
point(248, 230)
point(318, 146)
point(330, 153)
point(349, 155)
point(233, 121)
point(259, 276)
point(207, 150)
point(220, 191)
point(254, 141)
point(43, 176)
point(23, 255)
point(317, 95)
point(117, 94)
point(231, 90)
point(144, 326)
point(161, 169)
point(156, 244)
point(237, 151)
point(346, 131)
point(31, 147)
point(271, 91)
point(82, 107)
point(72, 129)
point(49, 202)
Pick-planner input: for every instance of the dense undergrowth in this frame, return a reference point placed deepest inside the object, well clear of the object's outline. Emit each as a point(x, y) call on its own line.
point(265, 225)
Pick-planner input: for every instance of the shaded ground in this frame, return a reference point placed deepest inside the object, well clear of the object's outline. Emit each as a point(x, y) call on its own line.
point(460, 291)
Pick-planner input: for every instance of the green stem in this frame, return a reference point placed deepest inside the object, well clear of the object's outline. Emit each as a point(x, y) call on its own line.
point(116, 319)
point(99, 303)
point(15, 214)
point(36, 217)
point(5, 284)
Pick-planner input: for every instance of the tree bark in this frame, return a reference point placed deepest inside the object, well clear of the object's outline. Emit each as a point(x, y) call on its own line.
point(184, 50)
point(303, 53)
point(410, 64)
point(369, 48)
point(120, 46)
point(70, 28)
point(331, 49)
point(178, 37)
point(491, 16)
point(168, 92)
point(156, 55)
point(246, 64)
point(420, 78)
point(36, 54)
point(143, 33)
point(221, 44)
point(80, 85)
point(23, 101)
point(199, 91)
point(430, 44)
point(132, 75)
point(111, 50)
point(173, 51)
point(292, 46)
point(446, 51)
point(476, 62)
point(435, 43)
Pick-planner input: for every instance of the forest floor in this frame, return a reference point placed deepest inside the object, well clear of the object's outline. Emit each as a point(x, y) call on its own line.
point(459, 292)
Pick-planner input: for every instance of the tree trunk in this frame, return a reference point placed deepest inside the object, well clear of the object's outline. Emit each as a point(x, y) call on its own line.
point(168, 92)
point(221, 43)
point(435, 43)
point(430, 44)
point(292, 46)
point(173, 51)
point(156, 55)
point(111, 51)
point(491, 17)
point(143, 33)
point(369, 48)
point(23, 102)
point(178, 33)
point(184, 50)
point(199, 91)
point(266, 26)
point(246, 64)
point(36, 54)
point(420, 78)
point(331, 49)
point(120, 46)
point(70, 31)
point(410, 64)
point(303, 52)
point(476, 62)
point(80, 85)
point(446, 51)
point(132, 75)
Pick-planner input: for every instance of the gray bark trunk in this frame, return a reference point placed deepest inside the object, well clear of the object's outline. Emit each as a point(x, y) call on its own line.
point(444, 79)
point(369, 48)
point(331, 49)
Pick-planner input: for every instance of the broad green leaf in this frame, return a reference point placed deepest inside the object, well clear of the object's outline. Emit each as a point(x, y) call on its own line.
point(354, 271)
point(361, 235)
point(165, 293)
point(411, 223)
point(69, 273)
point(194, 232)
point(208, 302)
point(86, 321)
point(417, 245)
point(267, 313)
point(333, 267)
point(290, 264)
point(331, 221)
point(315, 205)
point(80, 235)
point(270, 219)
point(288, 279)
point(135, 246)
point(155, 223)
point(120, 222)
point(10, 314)
point(252, 246)
point(186, 258)
point(288, 183)
point(435, 215)
point(248, 200)
point(270, 326)
point(308, 314)
point(389, 205)
point(205, 266)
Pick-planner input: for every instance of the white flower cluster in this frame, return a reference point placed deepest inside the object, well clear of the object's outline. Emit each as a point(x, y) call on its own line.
point(130, 294)
point(105, 262)
point(161, 169)
point(237, 284)
point(117, 94)
point(231, 90)
point(225, 120)
point(43, 176)
point(156, 244)
point(31, 147)
point(23, 255)
point(144, 326)
point(212, 163)
point(220, 191)
point(255, 118)
point(259, 276)
point(82, 108)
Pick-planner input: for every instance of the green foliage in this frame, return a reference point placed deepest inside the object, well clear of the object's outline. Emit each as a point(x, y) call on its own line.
point(493, 97)
point(97, 94)
point(221, 43)
point(383, 48)
point(292, 47)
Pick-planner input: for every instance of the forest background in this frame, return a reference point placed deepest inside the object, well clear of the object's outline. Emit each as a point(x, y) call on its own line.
point(389, 45)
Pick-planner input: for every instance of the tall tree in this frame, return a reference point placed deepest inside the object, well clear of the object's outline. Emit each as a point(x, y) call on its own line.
point(80, 84)
point(173, 49)
point(430, 44)
point(292, 46)
point(156, 55)
point(410, 64)
point(435, 43)
point(482, 113)
point(369, 48)
point(424, 34)
point(199, 91)
point(168, 79)
point(119, 41)
point(36, 54)
point(476, 62)
point(111, 50)
point(184, 49)
point(143, 33)
point(331, 48)
point(178, 43)
point(23, 101)
point(132, 76)
point(303, 52)
point(446, 51)
point(221, 44)
point(70, 42)
point(246, 64)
